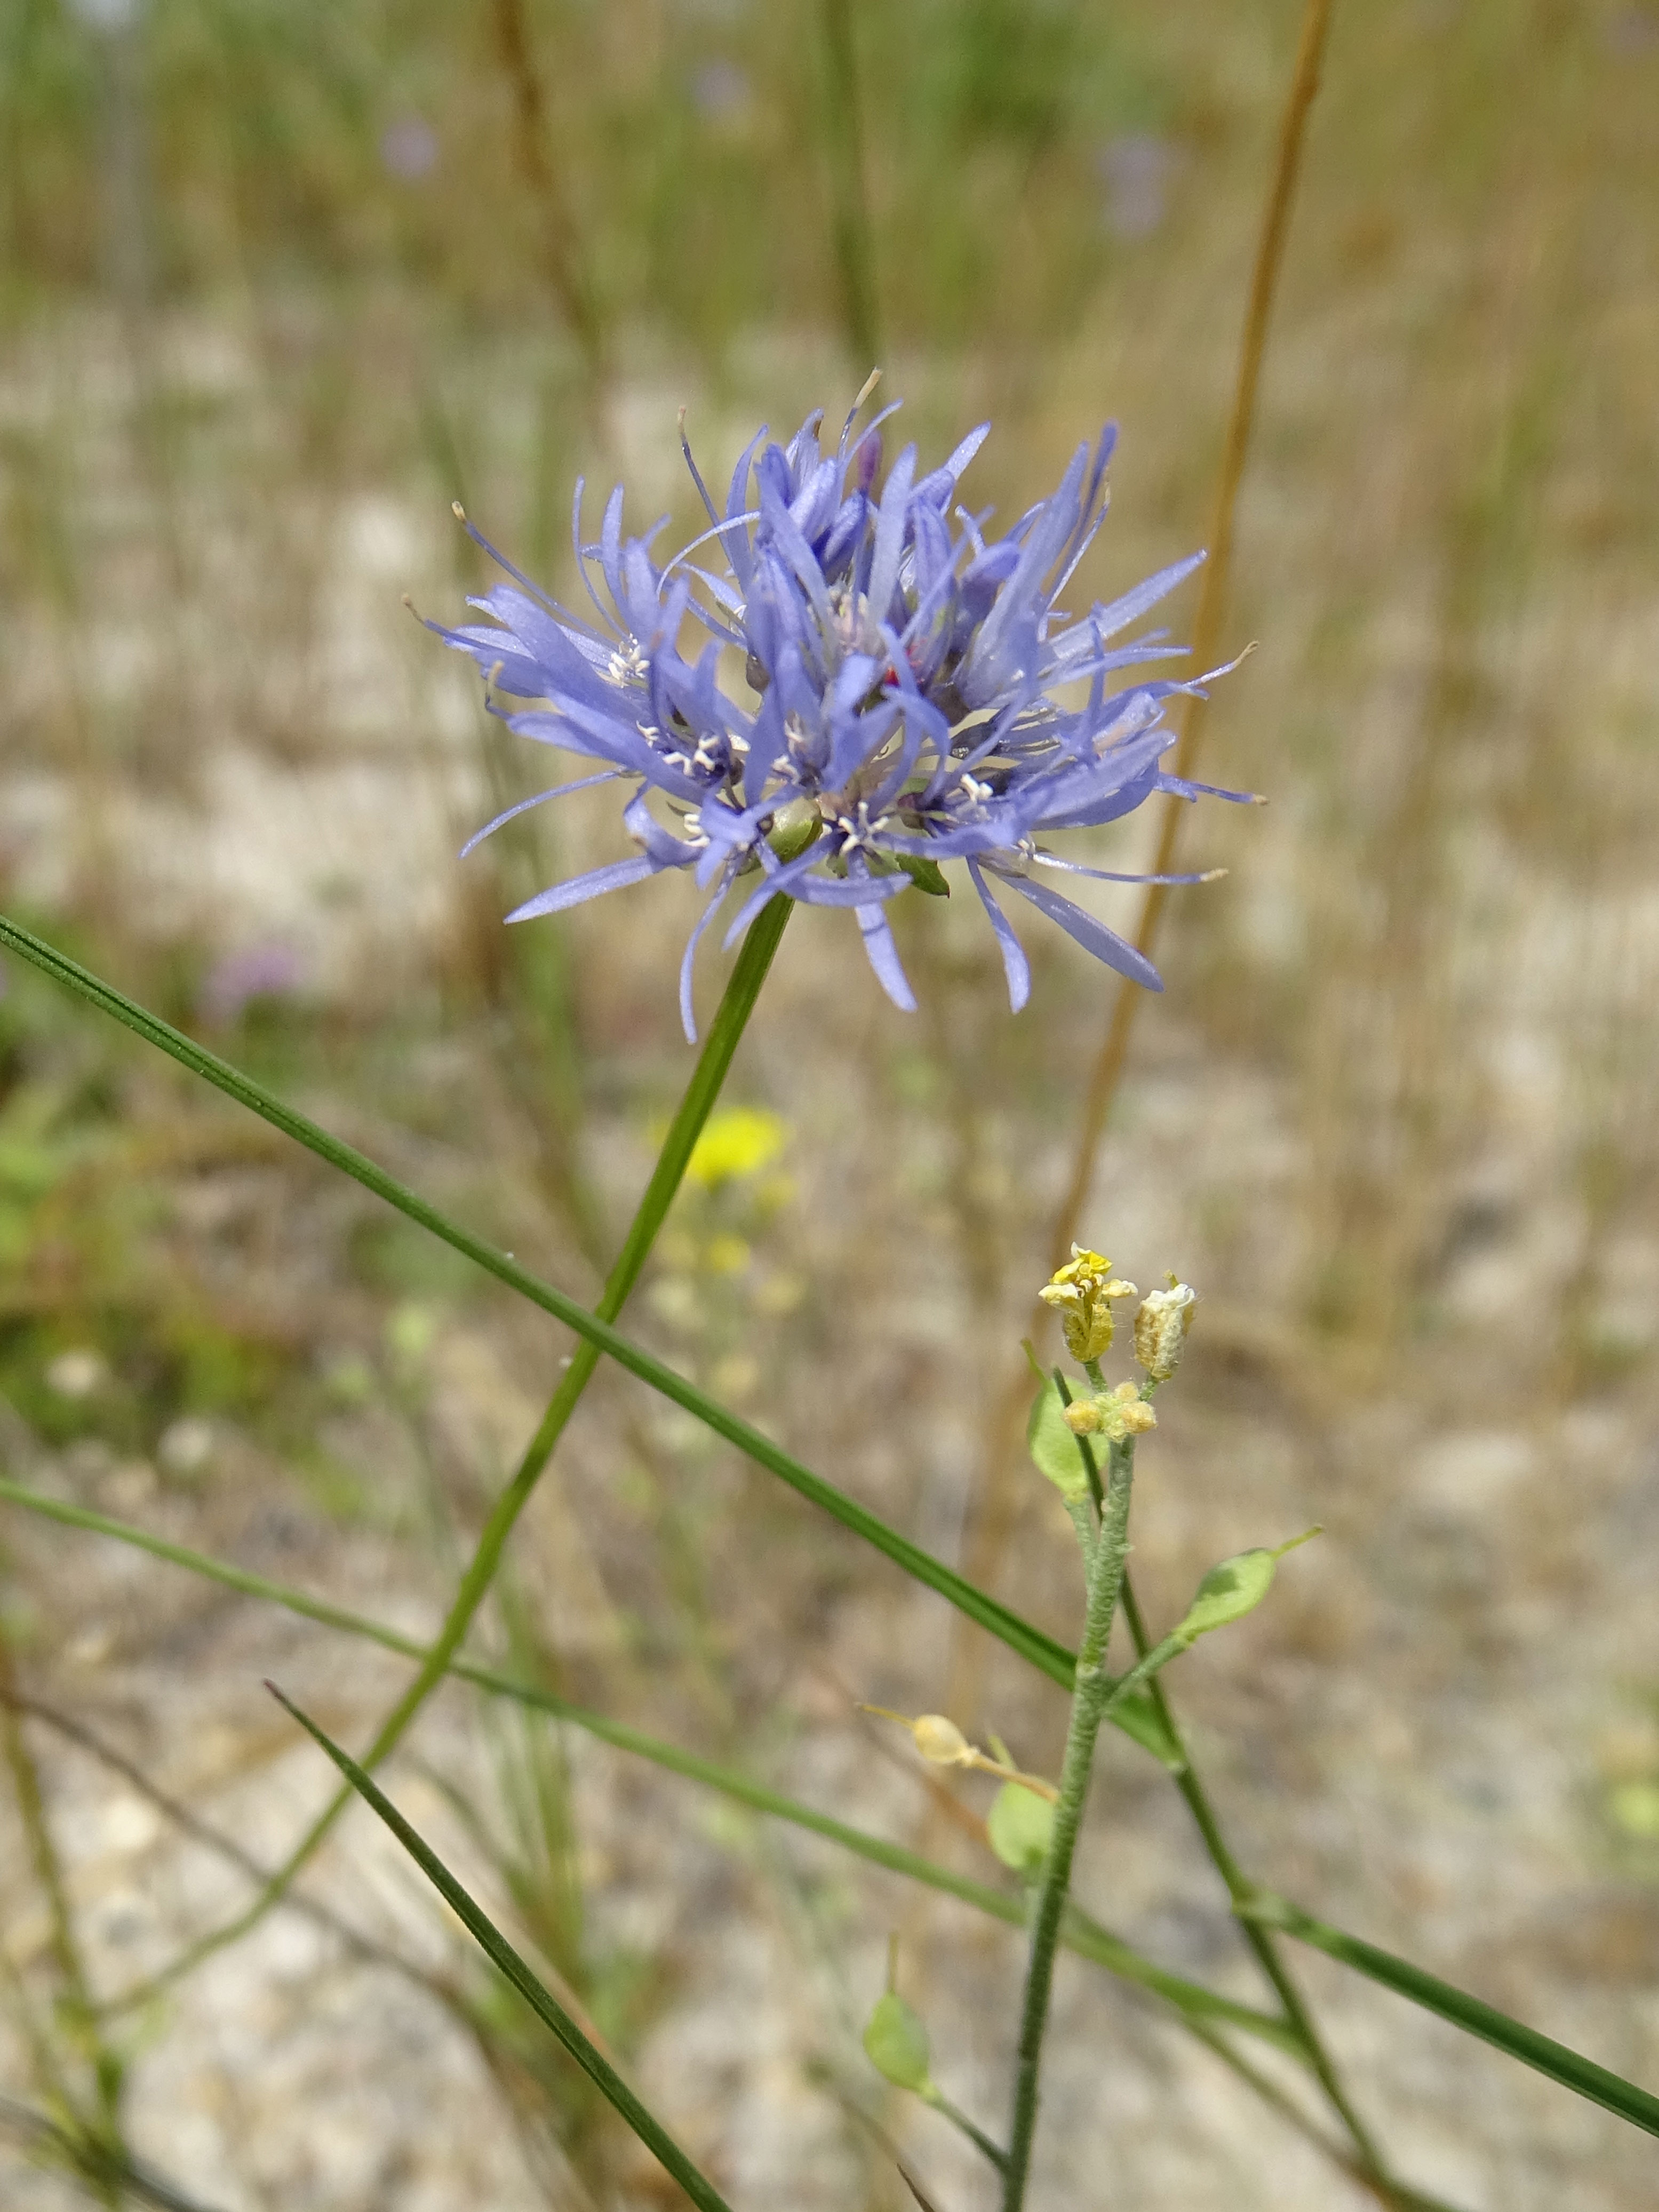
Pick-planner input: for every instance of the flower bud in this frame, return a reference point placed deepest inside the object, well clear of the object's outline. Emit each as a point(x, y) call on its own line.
point(1082, 1417)
point(940, 1742)
point(794, 826)
point(1123, 1412)
point(1083, 1291)
point(1161, 1329)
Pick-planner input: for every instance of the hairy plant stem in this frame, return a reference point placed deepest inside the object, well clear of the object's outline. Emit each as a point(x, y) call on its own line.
point(1089, 1702)
point(742, 991)
point(1240, 1890)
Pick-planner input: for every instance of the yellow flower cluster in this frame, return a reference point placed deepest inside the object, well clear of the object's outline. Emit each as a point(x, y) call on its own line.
point(1083, 1291)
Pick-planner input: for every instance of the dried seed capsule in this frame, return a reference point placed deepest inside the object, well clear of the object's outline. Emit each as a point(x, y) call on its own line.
point(1160, 1328)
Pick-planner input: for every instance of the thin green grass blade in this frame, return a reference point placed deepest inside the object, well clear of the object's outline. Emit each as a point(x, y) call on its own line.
point(541, 2000)
point(1043, 1651)
point(1476, 2018)
point(1081, 1933)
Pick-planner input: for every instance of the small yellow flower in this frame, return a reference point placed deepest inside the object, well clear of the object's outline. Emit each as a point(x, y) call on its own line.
point(1083, 1291)
point(736, 1142)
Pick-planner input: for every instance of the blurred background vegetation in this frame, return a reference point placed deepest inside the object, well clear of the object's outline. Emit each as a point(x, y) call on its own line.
point(280, 282)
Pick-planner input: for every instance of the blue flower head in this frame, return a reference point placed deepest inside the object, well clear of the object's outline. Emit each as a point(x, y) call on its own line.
point(916, 695)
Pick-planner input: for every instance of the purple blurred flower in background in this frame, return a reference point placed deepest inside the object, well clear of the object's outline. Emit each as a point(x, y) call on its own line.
point(1136, 169)
point(110, 16)
point(908, 673)
point(720, 91)
point(270, 970)
point(409, 148)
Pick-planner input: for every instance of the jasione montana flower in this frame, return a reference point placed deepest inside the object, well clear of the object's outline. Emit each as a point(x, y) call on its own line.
point(916, 695)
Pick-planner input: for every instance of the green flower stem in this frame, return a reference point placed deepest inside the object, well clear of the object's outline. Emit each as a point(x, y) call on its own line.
point(1150, 1662)
point(1081, 1934)
point(1240, 1890)
point(512, 1968)
point(936, 2098)
point(1083, 1519)
point(736, 1006)
point(1042, 1651)
point(1094, 1689)
point(1297, 2017)
point(1476, 2018)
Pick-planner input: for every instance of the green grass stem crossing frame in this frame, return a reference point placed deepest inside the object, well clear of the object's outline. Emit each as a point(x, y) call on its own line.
point(1138, 1718)
point(1082, 1934)
point(1470, 2013)
point(1044, 1652)
point(514, 1969)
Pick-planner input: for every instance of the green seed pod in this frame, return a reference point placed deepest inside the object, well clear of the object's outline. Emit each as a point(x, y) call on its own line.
point(896, 2043)
point(1160, 1328)
point(1019, 1826)
point(1235, 1588)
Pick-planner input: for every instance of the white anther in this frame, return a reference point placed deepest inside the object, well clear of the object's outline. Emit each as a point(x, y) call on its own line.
point(628, 664)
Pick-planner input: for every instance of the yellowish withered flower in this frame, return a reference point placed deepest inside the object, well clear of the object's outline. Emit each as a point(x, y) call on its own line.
point(1083, 1291)
point(940, 1742)
point(1160, 1328)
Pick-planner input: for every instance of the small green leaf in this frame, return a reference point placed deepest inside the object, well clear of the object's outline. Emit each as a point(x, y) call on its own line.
point(896, 2043)
point(1054, 1449)
point(926, 875)
point(1019, 1824)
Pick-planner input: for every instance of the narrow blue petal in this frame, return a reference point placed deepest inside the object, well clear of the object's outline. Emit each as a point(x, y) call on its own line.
point(889, 545)
point(688, 1013)
point(1108, 620)
point(848, 890)
point(884, 959)
point(1093, 936)
point(593, 885)
point(558, 791)
point(939, 486)
point(1116, 875)
point(1015, 966)
point(1182, 787)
